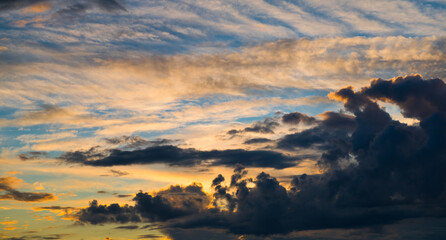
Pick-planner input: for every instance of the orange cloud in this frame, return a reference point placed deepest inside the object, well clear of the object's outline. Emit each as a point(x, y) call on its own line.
point(38, 8)
point(35, 21)
point(8, 222)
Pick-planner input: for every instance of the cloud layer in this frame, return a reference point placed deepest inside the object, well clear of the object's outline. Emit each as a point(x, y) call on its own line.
point(376, 171)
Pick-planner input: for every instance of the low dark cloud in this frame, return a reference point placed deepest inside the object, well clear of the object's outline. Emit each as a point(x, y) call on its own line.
point(171, 203)
point(124, 195)
point(376, 171)
point(297, 117)
point(6, 186)
point(149, 236)
point(176, 156)
point(257, 140)
point(266, 126)
point(137, 142)
point(128, 227)
point(113, 213)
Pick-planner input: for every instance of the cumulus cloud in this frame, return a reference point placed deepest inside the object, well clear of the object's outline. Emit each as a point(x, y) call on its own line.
point(375, 171)
point(171, 203)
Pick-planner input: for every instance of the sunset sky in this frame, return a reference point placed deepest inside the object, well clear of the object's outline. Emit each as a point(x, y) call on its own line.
point(222, 119)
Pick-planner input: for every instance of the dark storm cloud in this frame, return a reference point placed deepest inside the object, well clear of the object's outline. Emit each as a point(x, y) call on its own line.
point(171, 203)
point(417, 98)
point(297, 117)
point(13, 194)
point(318, 136)
point(176, 156)
point(113, 213)
point(377, 171)
point(338, 120)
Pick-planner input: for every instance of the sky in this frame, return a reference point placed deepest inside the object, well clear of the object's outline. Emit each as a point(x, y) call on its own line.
point(222, 119)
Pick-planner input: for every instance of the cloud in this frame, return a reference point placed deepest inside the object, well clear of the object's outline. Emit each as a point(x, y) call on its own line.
point(176, 156)
point(114, 213)
point(257, 140)
point(297, 117)
point(266, 126)
point(79, 9)
point(173, 202)
point(136, 142)
point(7, 185)
point(18, 4)
point(375, 171)
point(38, 8)
point(32, 155)
point(128, 227)
point(416, 97)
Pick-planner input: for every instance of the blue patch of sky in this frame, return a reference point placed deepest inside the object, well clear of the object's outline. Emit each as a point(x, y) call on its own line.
point(7, 112)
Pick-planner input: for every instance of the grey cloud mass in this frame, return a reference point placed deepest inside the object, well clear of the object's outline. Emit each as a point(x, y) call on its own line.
point(376, 171)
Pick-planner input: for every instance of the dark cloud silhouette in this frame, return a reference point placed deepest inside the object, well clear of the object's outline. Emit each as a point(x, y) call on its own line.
point(416, 97)
point(149, 236)
point(338, 120)
point(297, 117)
point(266, 126)
point(113, 213)
point(137, 142)
point(257, 140)
point(174, 202)
point(376, 171)
point(176, 156)
point(6, 185)
point(171, 203)
point(128, 227)
point(65, 210)
point(124, 195)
